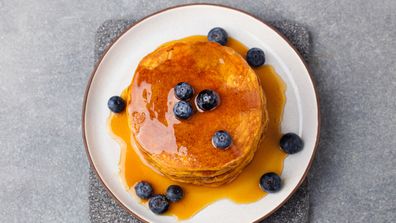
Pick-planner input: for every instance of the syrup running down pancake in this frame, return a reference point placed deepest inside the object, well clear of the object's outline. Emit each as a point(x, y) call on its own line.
point(244, 189)
point(182, 149)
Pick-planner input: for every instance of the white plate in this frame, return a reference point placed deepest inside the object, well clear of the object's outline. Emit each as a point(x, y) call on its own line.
point(114, 72)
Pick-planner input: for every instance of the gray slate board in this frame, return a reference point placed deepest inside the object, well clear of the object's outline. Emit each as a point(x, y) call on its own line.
point(102, 207)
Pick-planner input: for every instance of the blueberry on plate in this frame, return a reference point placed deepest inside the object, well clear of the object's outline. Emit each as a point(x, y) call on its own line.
point(270, 182)
point(144, 190)
point(183, 110)
point(183, 91)
point(207, 100)
point(116, 104)
point(174, 193)
point(255, 57)
point(291, 143)
point(221, 140)
point(218, 35)
point(158, 204)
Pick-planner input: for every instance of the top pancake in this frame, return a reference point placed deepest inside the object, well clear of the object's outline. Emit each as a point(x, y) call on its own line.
point(185, 146)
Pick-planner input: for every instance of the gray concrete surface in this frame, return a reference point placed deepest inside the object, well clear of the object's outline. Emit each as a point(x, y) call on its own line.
point(46, 55)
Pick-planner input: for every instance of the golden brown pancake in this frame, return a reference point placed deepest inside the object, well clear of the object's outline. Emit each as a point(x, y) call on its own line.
point(182, 149)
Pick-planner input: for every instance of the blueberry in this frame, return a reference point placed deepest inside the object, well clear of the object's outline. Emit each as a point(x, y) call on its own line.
point(158, 204)
point(207, 100)
point(174, 193)
point(183, 110)
point(255, 57)
point(218, 35)
point(221, 139)
point(270, 182)
point(183, 91)
point(291, 143)
point(116, 104)
point(144, 190)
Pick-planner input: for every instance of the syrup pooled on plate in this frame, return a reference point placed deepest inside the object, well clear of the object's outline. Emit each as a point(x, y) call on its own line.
point(245, 188)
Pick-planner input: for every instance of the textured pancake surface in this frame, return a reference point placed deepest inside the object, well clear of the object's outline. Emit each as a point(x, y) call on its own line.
point(182, 150)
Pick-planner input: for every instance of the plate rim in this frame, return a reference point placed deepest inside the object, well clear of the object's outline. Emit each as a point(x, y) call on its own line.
point(100, 59)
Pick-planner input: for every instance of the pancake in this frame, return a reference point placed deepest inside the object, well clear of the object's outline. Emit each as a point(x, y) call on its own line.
point(182, 149)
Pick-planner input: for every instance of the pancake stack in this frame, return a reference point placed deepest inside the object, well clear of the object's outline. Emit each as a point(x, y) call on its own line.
point(182, 149)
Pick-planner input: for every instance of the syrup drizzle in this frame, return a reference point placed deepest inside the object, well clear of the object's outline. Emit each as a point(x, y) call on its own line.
point(244, 189)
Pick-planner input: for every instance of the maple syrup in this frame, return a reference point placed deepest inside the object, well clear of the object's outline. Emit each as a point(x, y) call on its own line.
point(245, 188)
